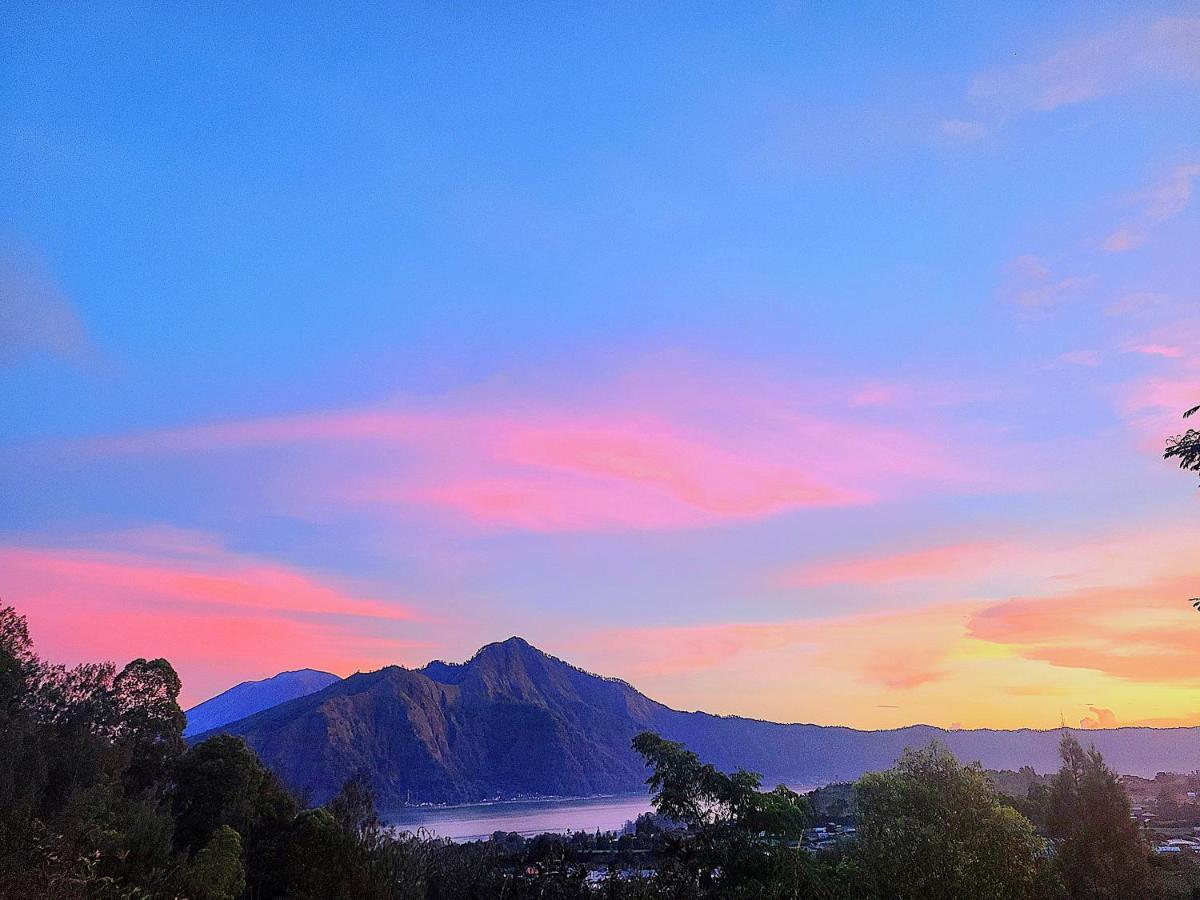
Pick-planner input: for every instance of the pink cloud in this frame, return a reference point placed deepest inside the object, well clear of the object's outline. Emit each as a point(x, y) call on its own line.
point(1165, 350)
point(663, 449)
point(1129, 556)
point(1153, 405)
point(930, 562)
point(220, 617)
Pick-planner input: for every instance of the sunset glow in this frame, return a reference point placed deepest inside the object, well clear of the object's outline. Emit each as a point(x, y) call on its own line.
point(775, 360)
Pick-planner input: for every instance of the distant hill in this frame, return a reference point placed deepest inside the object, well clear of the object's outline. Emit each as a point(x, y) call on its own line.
point(250, 697)
point(514, 721)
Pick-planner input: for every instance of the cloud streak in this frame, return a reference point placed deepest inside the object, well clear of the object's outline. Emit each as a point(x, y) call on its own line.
point(1125, 59)
point(35, 314)
point(664, 450)
point(221, 617)
point(1142, 633)
point(1153, 206)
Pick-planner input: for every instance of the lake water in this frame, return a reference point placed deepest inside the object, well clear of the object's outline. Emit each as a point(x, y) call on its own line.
point(528, 817)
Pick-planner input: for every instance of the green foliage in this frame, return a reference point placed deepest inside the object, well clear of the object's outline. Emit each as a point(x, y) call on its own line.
point(931, 828)
point(217, 872)
point(1099, 850)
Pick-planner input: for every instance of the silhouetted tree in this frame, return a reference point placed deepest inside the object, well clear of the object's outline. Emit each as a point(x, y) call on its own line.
point(738, 835)
point(150, 723)
point(1186, 447)
point(221, 782)
point(702, 797)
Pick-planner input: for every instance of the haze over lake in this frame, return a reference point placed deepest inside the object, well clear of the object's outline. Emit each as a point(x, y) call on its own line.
point(527, 817)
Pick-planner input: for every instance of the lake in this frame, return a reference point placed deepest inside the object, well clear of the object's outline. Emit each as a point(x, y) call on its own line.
point(528, 817)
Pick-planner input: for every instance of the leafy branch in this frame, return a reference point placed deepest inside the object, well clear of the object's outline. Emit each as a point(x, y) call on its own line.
point(1185, 447)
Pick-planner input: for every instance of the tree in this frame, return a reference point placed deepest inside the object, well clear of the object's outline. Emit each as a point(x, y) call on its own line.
point(703, 798)
point(1099, 850)
point(737, 842)
point(220, 782)
point(146, 699)
point(1185, 447)
point(217, 872)
point(932, 829)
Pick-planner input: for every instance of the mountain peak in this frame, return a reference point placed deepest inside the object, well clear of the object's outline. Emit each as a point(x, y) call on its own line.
point(513, 643)
point(250, 697)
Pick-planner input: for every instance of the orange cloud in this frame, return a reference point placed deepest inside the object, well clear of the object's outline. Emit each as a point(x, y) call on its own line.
point(864, 647)
point(1100, 718)
point(1142, 633)
point(220, 617)
point(1106, 718)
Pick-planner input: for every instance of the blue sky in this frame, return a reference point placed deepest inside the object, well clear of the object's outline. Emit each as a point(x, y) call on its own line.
point(620, 328)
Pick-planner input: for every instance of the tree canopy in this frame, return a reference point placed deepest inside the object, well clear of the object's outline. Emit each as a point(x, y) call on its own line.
point(932, 829)
point(1100, 852)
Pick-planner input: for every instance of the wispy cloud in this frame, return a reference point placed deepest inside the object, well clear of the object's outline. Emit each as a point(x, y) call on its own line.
point(35, 315)
point(1031, 287)
point(1105, 559)
point(1153, 206)
point(929, 562)
point(1117, 62)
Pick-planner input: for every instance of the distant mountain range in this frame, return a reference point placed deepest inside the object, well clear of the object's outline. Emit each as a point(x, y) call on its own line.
point(250, 697)
point(514, 721)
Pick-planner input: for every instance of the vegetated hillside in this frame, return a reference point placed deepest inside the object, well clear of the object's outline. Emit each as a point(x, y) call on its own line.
point(514, 721)
point(250, 697)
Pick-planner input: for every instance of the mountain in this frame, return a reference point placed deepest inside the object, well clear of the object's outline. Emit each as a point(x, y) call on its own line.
point(250, 697)
point(514, 721)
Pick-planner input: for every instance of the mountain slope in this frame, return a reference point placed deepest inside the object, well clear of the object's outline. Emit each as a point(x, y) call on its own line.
point(514, 721)
point(250, 697)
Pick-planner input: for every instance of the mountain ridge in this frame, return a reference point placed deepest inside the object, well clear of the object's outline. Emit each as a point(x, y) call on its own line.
point(514, 721)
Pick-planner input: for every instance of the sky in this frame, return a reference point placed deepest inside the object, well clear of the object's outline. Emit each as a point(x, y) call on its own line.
point(810, 362)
